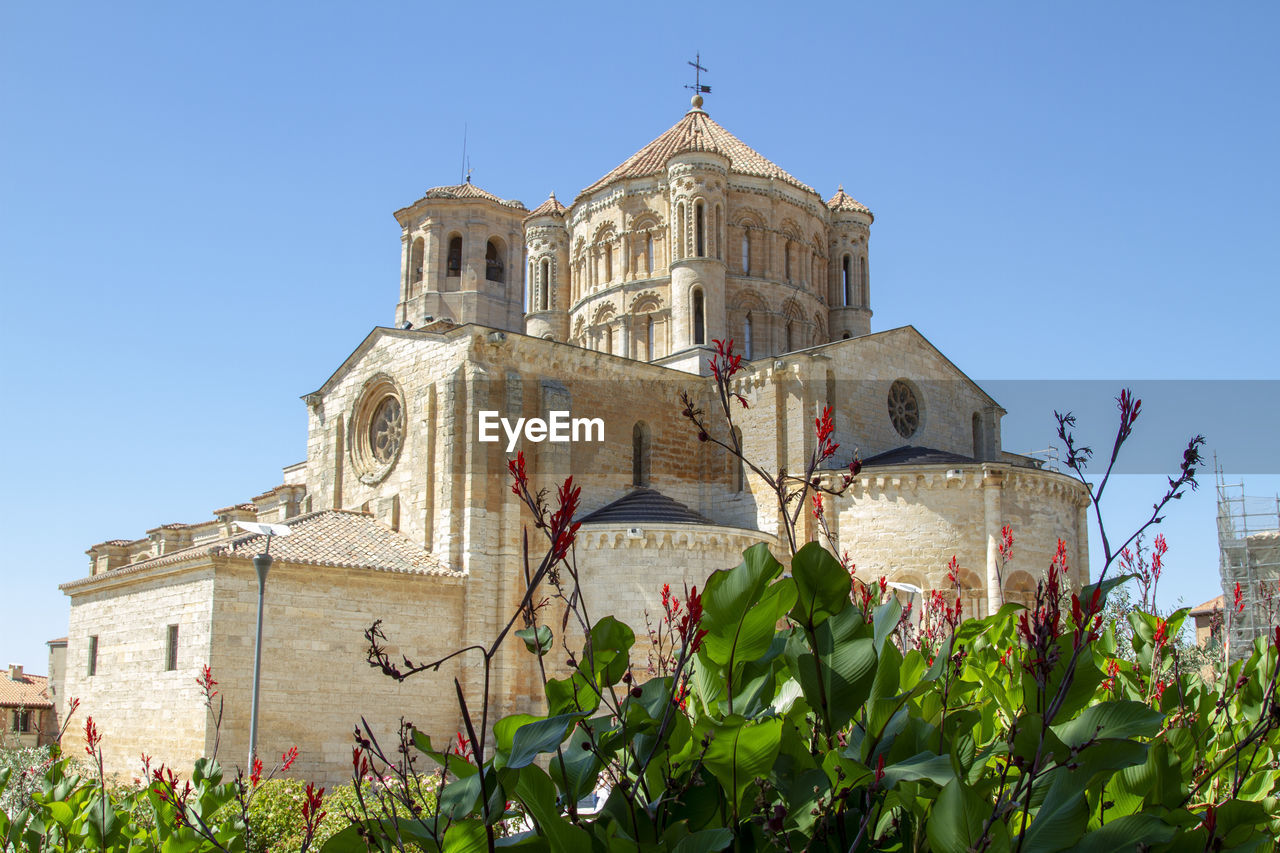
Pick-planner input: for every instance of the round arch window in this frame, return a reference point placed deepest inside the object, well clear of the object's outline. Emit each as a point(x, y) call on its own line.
point(904, 408)
point(377, 429)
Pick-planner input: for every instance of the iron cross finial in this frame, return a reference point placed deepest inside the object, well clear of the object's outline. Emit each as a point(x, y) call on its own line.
point(697, 87)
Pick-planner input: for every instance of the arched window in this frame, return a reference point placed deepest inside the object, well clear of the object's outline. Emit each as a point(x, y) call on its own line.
point(415, 260)
point(786, 262)
point(699, 318)
point(789, 330)
point(746, 252)
point(678, 244)
point(544, 296)
point(846, 282)
point(700, 230)
point(608, 262)
point(862, 282)
point(977, 436)
point(746, 338)
point(454, 260)
point(640, 454)
point(495, 269)
point(739, 468)
point(1020, 587)
point(648, 255)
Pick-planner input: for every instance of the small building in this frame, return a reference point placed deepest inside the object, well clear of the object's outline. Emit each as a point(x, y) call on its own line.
point(1208, 618)
point(26, 710)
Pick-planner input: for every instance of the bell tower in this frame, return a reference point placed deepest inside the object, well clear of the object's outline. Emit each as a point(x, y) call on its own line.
point(849, 283)
point(546, 243)
point(461, 259)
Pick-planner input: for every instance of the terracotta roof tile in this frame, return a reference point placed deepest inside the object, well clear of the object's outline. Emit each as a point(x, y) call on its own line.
point(1213, 605)
point(325, 538)
point(550, 207)
point(29, 691)
point(697, 132)
point(843, 201)
point(469, 190)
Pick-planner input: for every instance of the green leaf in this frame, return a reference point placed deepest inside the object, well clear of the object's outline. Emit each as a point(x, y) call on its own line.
point(923, 765)
point(822, 585)
point(705, 841)
point(466, 836)
point(605, 655)
point(887, 616)
point(1086, 594)
point(538, 794)
point(1061, 819)
point(345, 841)
point(740, 751)
point(955, 823)
point(539, 736)
point(741, 606)
point(538, 641)
point(837, 672)
point(1126, 833)
point(1122, 719)
point(458, 798)
point(576, 774)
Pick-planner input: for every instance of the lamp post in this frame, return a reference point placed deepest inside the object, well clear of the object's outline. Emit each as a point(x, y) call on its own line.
point(262, 565)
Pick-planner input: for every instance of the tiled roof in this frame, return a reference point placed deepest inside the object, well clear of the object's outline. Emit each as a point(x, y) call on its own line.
point(325, 538)
point(469, 190)
point(697, 132)
point(1213, 605)
point(912, 455)
point(645, 506)
point(843, 201)
point(550, 207)
point(29, 691)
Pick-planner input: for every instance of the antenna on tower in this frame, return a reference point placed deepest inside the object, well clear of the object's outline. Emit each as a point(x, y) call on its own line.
point(462, 174)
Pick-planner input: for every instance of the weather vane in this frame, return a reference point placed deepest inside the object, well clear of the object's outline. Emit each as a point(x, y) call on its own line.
point(697, 87)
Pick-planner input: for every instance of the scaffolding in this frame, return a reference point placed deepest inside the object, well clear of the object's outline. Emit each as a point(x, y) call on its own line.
point(1248, 555)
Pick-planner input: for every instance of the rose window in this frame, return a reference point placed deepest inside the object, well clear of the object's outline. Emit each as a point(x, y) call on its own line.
point(386, 430)
point(904, 410)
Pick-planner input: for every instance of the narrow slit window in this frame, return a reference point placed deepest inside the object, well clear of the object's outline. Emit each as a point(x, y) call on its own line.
point(171, 649)
point(700, 230)
point(846, 282)
point(699, 319)
point(93, 655)
point(454, 261)
point(746, 253)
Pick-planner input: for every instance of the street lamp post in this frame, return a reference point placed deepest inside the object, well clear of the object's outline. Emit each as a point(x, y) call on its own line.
point(262, 565)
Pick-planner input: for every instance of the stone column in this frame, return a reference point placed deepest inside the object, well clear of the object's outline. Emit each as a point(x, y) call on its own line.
point(992, 485)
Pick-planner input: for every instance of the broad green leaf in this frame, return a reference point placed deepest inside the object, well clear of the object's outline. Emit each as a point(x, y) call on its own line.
point(466, 836)
point(955, 823)
point(458, 798)
point(605, 654)
point(1061, 819)
point(740, 751)
point(822, 585)
point(741, 607)
point(837, 675)
point(924, 765)
point(538, 641)
point(1126, 833)
point(538, 794)
point(1121, 719)
point(539, 736)
point(704, 841)
point(576, 774)
point(887, 616)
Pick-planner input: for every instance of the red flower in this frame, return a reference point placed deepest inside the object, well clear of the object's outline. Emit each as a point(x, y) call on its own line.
point(92, 737)
point(1129, 407)
point(1239, 602)
point(521, 479)
point(206, 683)
point(824, 427)
point(817, 505)
point(288, 758)
point(563, 527)
point(1005, 548)
point(255, 775)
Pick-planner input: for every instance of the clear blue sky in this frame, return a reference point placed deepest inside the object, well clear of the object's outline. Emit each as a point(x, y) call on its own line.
point(195, 215)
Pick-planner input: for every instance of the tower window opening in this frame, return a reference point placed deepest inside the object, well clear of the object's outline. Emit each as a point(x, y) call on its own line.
point(640, 454)
point(786, 263)
point(699, 319)
point(453, 265)
point(545, 286)
point(746, 338)
point(789, 335)
point(700, 230)
point(649, 338)
point(608, 263)
point(862, 282)
point(680, 244)
point(746, 253)
point(415, 260)
point(846, 282)
point(648, 255)
point(494, 268)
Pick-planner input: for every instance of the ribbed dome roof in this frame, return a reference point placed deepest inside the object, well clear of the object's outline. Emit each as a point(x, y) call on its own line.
point(697, 132)
point(843, 201)
point(550, 207)
point(469, 190)
point(645, 506)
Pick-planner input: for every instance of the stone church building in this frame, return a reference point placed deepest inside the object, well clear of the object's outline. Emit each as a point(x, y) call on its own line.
point(604, 309)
